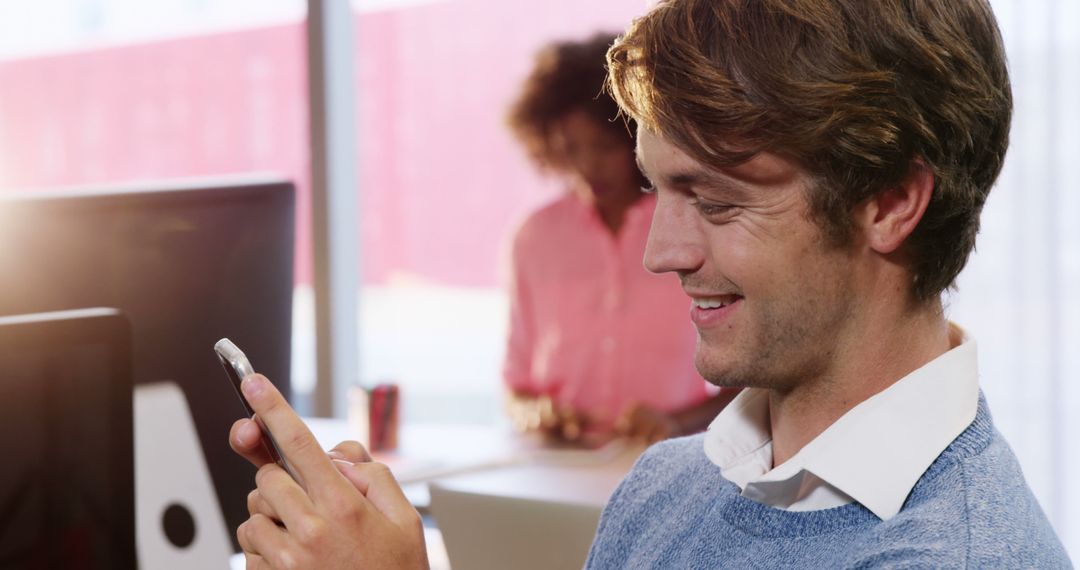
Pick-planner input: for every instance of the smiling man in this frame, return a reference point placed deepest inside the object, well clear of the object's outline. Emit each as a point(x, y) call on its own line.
point(820, 167)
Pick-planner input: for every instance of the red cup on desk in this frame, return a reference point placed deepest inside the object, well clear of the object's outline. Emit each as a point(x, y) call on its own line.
point(374, 415)
point(384, 404)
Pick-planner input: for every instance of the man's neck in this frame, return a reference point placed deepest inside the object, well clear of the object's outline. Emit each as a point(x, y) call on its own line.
point(905, 344)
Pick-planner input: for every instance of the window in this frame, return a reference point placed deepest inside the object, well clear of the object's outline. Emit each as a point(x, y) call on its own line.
point(443, 183)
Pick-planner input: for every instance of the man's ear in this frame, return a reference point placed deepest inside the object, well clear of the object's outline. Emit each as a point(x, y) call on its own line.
point(889, 217)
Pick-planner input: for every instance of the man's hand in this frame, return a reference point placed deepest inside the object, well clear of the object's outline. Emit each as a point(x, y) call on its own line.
point(344, 512)
point(645, 423)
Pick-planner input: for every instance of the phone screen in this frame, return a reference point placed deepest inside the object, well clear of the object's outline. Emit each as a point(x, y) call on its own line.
point(236, 367)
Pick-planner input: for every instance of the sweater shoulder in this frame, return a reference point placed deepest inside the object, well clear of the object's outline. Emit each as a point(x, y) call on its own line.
point(665, 463)
point(1007, 526)
point(680, 451)
point(659, 470)
point(658, 498)
point(969, 510)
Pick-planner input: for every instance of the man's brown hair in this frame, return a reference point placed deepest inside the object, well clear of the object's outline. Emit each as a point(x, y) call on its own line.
point(855, 91)
point(567, 76)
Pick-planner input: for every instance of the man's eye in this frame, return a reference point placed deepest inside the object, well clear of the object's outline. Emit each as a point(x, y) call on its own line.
point(712, 210)
point(648, 188)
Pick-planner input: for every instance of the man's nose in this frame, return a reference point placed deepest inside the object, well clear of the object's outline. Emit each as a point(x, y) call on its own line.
point(675, 240)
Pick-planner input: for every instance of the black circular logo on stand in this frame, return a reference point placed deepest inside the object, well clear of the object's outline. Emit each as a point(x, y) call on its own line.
point(179, 525)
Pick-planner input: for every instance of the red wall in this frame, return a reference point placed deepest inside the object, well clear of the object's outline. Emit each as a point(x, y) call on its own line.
point(441, 180)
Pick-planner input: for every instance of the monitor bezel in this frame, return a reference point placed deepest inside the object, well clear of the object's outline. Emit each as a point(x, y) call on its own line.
point(111, 328)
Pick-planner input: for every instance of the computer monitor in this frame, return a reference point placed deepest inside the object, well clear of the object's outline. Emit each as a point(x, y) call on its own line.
point(67, 493)
point(189, 263)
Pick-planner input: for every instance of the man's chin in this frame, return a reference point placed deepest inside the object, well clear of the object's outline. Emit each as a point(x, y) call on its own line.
point(727, 373)
point(721, 375)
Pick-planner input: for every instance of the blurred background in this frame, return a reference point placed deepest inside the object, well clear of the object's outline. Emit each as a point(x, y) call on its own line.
point(108, 91)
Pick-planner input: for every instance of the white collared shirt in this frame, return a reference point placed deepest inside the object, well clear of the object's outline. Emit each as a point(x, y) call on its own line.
point(874, 454)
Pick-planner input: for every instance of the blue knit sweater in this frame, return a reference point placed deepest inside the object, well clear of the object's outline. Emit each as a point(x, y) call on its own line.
point(971, 509)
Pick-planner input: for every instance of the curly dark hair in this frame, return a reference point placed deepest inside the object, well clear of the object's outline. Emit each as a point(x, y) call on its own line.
point(567, 76)
point(854, 91)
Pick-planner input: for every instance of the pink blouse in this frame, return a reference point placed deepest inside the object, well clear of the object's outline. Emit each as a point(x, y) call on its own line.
point(589, 325)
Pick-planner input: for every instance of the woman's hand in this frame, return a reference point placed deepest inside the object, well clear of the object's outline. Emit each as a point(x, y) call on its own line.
point(647, 424)
point(544, 415)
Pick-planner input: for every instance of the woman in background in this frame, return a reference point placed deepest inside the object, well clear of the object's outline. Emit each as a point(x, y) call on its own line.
point(597, 345)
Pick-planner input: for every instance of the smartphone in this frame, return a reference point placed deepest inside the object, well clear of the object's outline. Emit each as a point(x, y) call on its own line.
point(236, 367)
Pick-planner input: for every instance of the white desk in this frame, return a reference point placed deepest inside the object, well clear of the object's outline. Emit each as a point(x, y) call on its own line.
point(498, 461)
point(426, 445)
point(572, 477)
point(431, 451)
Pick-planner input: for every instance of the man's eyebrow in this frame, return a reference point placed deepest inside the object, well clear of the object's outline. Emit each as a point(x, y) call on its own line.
point(691, 179)
point(707, 182)
point(696, 178)
point(683, 178)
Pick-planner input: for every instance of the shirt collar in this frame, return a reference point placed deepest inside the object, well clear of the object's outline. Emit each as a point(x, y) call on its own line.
point(739, 441)
point(877, 451)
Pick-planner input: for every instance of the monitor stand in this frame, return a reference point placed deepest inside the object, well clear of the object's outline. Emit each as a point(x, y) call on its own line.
point(179, 523)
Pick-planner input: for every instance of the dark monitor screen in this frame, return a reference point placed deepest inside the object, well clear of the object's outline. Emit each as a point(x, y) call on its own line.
point(67, 494)
point(189, 264)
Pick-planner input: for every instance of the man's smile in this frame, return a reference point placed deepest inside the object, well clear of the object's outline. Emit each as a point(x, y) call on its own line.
point(708, 311)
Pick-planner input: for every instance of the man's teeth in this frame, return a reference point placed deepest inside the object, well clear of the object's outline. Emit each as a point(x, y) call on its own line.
point(712, 303)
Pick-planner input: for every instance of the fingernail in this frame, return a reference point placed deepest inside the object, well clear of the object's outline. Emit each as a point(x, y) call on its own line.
point(252, 432)
point(349, 463)
point(335, 455)
point(251, 385)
